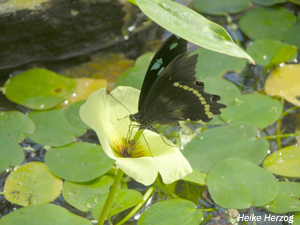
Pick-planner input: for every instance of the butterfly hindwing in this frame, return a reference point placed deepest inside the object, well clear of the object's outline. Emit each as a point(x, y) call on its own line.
point(176, 95)
point(171, 48)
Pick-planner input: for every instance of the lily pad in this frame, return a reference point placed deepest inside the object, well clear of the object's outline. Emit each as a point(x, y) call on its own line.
point(11, 153)
point(239, 184)
point(285, 82)
point(268, 2)
point(257, 109)
point(32, 183)
point(225, 89)
point(220, 7)
point(72, 114)
point(174, 211)
point(123, 199)
point(134, 76)
point(15, 125)
point(38, 88)
point(78, 162)
point(263, 51)
point(284, 162)
point(196, 177)
point(47, 214)
point(191, 26)
point(213, 64)
point(83, 196)
point(53, 128)
point(214, 145)
point(267, 23)
point(287, 199)
point(292, 36)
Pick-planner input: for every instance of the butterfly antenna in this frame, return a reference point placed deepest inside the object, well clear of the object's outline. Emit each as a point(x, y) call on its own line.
point(119, 102)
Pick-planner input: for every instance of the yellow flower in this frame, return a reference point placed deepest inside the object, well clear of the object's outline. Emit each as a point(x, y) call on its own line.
point(110, 120)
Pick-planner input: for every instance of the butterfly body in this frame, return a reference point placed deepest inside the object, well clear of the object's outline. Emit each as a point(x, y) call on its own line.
point(170, 92)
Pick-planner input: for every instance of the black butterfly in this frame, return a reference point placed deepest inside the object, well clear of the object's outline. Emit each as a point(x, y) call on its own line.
point(170, 91)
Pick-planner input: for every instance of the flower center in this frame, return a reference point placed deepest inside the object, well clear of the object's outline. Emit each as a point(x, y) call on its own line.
point(129, 149)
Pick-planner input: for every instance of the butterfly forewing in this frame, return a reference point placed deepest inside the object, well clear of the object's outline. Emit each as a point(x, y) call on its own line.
point(171, 48)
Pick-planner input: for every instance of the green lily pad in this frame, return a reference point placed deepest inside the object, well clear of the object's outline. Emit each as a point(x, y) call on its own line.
point(15, 125)
point(296, 219)
point(292, 36)
point(267, 23)
point(83, 196)
point(239, 184)
point(288, 198)
point(32, 183)
point(11, 153)
point(72, 114)
point(78, 162)
point(214, 145)
point(284, 162)
point(268, 2)
point(38, 88)
point(191, 26)
point(260, 110)
point(174, 211)
point(48, 214)
point(225, 89)
point(196, 177)
point(53, 128)
point(263, 51)
point(123, 199)
point(220, 7)
point(134, 76)
point(213, 64)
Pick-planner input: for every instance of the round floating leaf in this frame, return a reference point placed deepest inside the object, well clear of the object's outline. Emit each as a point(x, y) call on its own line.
point(268, 2)
point(48, 214)
point(196, 177)
point(191, 26)
point(257, 109)
point(72, 114)
point(134, 76)
point(15, 125)
point(53, 128)
point(225, 89)
point(263, 51)
point(284, 162)
point(123, 199)
point(11, 153)
point(288, 198)
point(220, 7)
point(296, 219)
point(78, 162)
point(264, 23)
point(32, 183)
point(285, 82)
point(213, 64)
point(239, 184)
point(292, 36)
point(174, 211)
point(38, 88)
point(214, 145)
point(83, 196)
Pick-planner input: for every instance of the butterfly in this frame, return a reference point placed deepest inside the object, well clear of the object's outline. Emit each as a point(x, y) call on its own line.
point(170, 91)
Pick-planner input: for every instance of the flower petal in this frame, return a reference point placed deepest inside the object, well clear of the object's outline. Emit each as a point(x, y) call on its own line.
point(143, 170)
point(173, 166)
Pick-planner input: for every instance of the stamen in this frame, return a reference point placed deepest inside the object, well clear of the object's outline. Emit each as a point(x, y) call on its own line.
point(129, 149)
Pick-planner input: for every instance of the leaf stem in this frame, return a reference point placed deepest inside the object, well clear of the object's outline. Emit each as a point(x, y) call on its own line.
point(110, 197)
point(163, 188)
point(146, 197)
point(280, 136)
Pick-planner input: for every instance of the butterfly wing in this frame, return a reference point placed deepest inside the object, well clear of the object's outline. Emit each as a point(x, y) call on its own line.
point(171, 48)
point(176, 95)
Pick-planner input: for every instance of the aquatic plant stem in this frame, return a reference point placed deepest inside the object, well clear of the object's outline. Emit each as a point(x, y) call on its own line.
point(280, 136)
point(146, 197)
point(163, 188)
point(110, 197)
